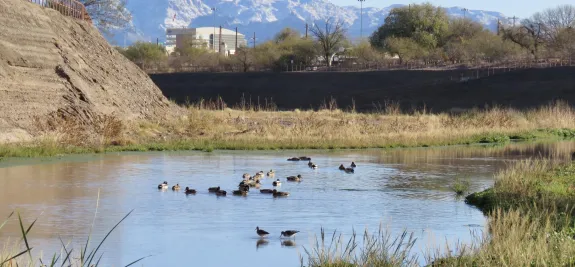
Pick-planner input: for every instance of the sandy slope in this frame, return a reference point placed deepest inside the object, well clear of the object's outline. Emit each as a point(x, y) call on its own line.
point(55, 65)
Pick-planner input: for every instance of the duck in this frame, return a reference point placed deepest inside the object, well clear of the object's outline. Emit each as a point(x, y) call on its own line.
point(244, 187)
point(289, 233)
point(257, 177)
point(305, 158)
point(341, 167)
point(267, 191)
point(261, 232)
point(294, 178)
point(176, 187)
point(293, 159)
point(190, 191)
point(246, 176)
point(349, 170)
point(163, 185)
point(353, 164)
point(260, 173)
point(280, 194)
point(221, 193)
point(240, 193)
point(271, 173)
point(214, 189)
point(277, 182)
point(312, 165)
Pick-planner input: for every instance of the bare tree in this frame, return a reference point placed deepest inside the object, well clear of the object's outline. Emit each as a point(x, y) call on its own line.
point(329, 37)
point(108, 14)
point(555, 20)
point(244, 57)
point(530, 36)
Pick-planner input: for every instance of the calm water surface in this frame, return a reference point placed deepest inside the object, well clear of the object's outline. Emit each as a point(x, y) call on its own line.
point(401, 189)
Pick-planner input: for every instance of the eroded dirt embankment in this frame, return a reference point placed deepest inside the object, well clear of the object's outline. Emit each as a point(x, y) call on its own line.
point(52, 65)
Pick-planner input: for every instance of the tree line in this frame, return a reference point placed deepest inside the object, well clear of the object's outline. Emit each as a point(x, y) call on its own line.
point(415, 34)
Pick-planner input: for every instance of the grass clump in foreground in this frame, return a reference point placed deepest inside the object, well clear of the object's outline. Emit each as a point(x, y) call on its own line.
point(12, 255)
point(206, 127)
point(379, 249)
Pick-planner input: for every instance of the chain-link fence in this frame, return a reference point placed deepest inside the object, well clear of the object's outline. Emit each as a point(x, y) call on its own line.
point(70, 8)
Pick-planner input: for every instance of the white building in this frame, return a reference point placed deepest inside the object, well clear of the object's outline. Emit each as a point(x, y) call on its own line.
point(209, 37)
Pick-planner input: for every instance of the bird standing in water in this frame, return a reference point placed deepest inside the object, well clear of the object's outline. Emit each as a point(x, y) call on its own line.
point(261, 232)
point(289, 233)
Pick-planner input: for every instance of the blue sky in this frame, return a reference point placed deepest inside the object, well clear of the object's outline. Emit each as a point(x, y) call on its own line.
point(520, 8)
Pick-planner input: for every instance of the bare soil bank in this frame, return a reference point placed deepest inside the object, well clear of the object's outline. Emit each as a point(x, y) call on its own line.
point(522, 89)
point(52, 65)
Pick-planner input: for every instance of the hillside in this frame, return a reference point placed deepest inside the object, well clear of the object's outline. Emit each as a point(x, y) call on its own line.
point(521, 89)
point(51, 65)
point(265, 17)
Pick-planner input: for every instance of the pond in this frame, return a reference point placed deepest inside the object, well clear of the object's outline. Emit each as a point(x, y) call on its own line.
point(402, 189)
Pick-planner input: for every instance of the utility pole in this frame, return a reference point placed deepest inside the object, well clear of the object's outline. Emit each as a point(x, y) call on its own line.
point(254, 40)
point(157, 41)
point(306, 29)
point(220, 40)
point(361, 18)
point(498, 27)
point(464, 12)
point(214, 36)
point(514, 18)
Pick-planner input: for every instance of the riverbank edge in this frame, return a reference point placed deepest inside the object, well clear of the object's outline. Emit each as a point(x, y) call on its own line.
point(52, 148)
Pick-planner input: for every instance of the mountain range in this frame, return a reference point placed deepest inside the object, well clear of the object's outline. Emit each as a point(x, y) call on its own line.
point(264, 17)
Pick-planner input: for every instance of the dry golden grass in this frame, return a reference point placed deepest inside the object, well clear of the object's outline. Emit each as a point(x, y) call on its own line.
point(212, 125)
point(333, 128)
point(517, 239)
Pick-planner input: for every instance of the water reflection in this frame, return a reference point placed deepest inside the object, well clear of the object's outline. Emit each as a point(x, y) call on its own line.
point(288, 243)
point(261, 242)
point(407, 188)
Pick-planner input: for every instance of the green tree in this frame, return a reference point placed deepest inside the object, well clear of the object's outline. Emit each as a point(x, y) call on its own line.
point(461, 30)
point(286, 35)
point(424, 24)
point(192, 47)
point(365, 53)
point(145, 54)
point(564, 43)
point(405, 48)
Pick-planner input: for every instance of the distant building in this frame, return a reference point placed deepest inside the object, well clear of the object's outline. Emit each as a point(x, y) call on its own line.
point(207, 37)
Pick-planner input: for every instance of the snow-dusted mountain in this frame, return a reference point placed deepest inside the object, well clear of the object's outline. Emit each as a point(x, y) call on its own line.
point(264, 17)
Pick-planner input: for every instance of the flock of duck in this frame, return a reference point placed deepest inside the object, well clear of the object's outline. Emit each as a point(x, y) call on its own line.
point(249, 181)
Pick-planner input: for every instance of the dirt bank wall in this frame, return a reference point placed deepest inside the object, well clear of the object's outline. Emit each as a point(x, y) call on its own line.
point(51, 64)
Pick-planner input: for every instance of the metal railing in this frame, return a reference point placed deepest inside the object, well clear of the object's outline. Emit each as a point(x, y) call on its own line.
point(70, 8)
